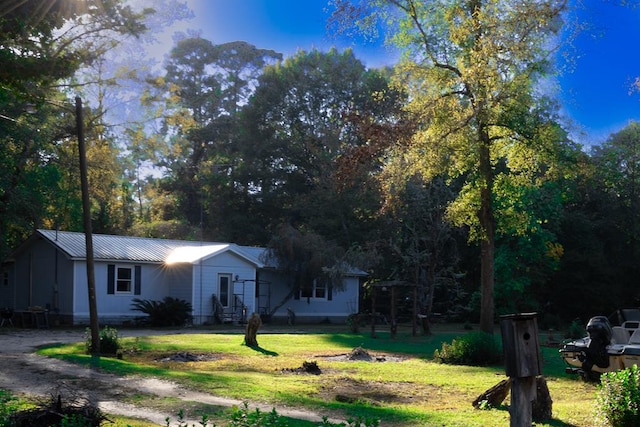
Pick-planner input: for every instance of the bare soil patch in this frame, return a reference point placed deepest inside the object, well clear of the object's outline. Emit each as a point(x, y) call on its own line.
point(376, 393)
point(348, 390)
point(185, 356)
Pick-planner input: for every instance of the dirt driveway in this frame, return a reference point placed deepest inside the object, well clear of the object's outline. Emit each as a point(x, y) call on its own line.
point(23, 371)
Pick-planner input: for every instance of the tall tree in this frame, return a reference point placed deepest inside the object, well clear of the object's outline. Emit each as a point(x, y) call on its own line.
point(617, 162)
point(594, 274)
point(308, 259)
point(423, 248)
point(617, 174)
point(298, 138)
point(206, 85)
point(111, 88)
point(43, 45)
point(472, 68)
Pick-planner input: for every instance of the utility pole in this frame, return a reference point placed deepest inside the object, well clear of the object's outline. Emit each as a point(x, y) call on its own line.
point(86, 211)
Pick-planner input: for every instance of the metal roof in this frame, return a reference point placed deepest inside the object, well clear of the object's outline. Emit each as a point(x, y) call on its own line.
point(143, 249)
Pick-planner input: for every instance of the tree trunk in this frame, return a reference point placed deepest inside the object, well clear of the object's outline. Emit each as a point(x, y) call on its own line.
point(284, 300)
point(487, 225)
point(431, 280)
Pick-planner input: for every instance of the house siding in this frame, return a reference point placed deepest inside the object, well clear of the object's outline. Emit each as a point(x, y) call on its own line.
point(180, 282)
point(63, 288)
point(343, 302)
point(40, 277)
point(205, 279)
point(117, 308)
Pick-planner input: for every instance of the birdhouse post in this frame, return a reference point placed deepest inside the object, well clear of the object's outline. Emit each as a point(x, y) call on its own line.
point(523, 363)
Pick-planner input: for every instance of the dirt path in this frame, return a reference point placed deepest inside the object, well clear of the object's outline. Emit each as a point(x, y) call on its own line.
point(23, 371)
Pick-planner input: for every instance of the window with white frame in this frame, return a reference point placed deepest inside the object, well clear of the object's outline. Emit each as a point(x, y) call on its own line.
point(224, 289)
point(124, 280)
point(317, 290)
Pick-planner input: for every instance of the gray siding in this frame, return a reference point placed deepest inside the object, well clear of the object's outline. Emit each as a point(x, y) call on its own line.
point(343, 302)
point(205, 279)
point(180, 281)
point(40, 278)
point(117, 308)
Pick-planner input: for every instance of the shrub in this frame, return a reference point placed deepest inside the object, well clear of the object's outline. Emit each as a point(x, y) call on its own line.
point(109, 343)
point(168, 312)
point(618, 398)
point(474, 348)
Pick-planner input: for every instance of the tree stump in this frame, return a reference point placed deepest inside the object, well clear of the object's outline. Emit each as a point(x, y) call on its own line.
point(542, 406)
point(541, 409)
point(253, 325)
point(494, 396)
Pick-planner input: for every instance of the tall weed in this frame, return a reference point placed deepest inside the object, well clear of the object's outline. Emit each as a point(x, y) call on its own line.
point(244, 417)
point(109, 342)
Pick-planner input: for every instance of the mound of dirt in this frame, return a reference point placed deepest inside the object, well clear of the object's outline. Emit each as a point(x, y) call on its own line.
point(185, 356)
point(306, 368)
point(359, 353)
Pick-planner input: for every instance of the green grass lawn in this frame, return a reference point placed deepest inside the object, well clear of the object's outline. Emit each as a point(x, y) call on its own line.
point(408, 389)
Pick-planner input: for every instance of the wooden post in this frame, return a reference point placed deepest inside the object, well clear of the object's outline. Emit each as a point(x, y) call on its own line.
point(522, 364)
point(414, 322)
point(523, 393)
point(394, 323)
point(373, 311)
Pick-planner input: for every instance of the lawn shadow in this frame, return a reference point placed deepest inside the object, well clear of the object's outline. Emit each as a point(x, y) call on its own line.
point(263, 350)
point(554, 422)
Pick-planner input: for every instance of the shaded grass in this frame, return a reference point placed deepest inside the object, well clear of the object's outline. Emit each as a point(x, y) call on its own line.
point(413, 391)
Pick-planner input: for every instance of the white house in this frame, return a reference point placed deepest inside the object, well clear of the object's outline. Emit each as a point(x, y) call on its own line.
point(48, 271)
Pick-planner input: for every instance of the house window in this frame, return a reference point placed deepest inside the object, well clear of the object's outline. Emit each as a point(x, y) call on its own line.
point(123, 280)
point(306, 292)
point(224, 283)
point(319, 290)
point(316, 290)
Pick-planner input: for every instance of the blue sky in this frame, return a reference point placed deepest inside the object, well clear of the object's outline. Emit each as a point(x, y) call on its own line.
point(282, 25)
point(595, 93)
point(598, 92)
